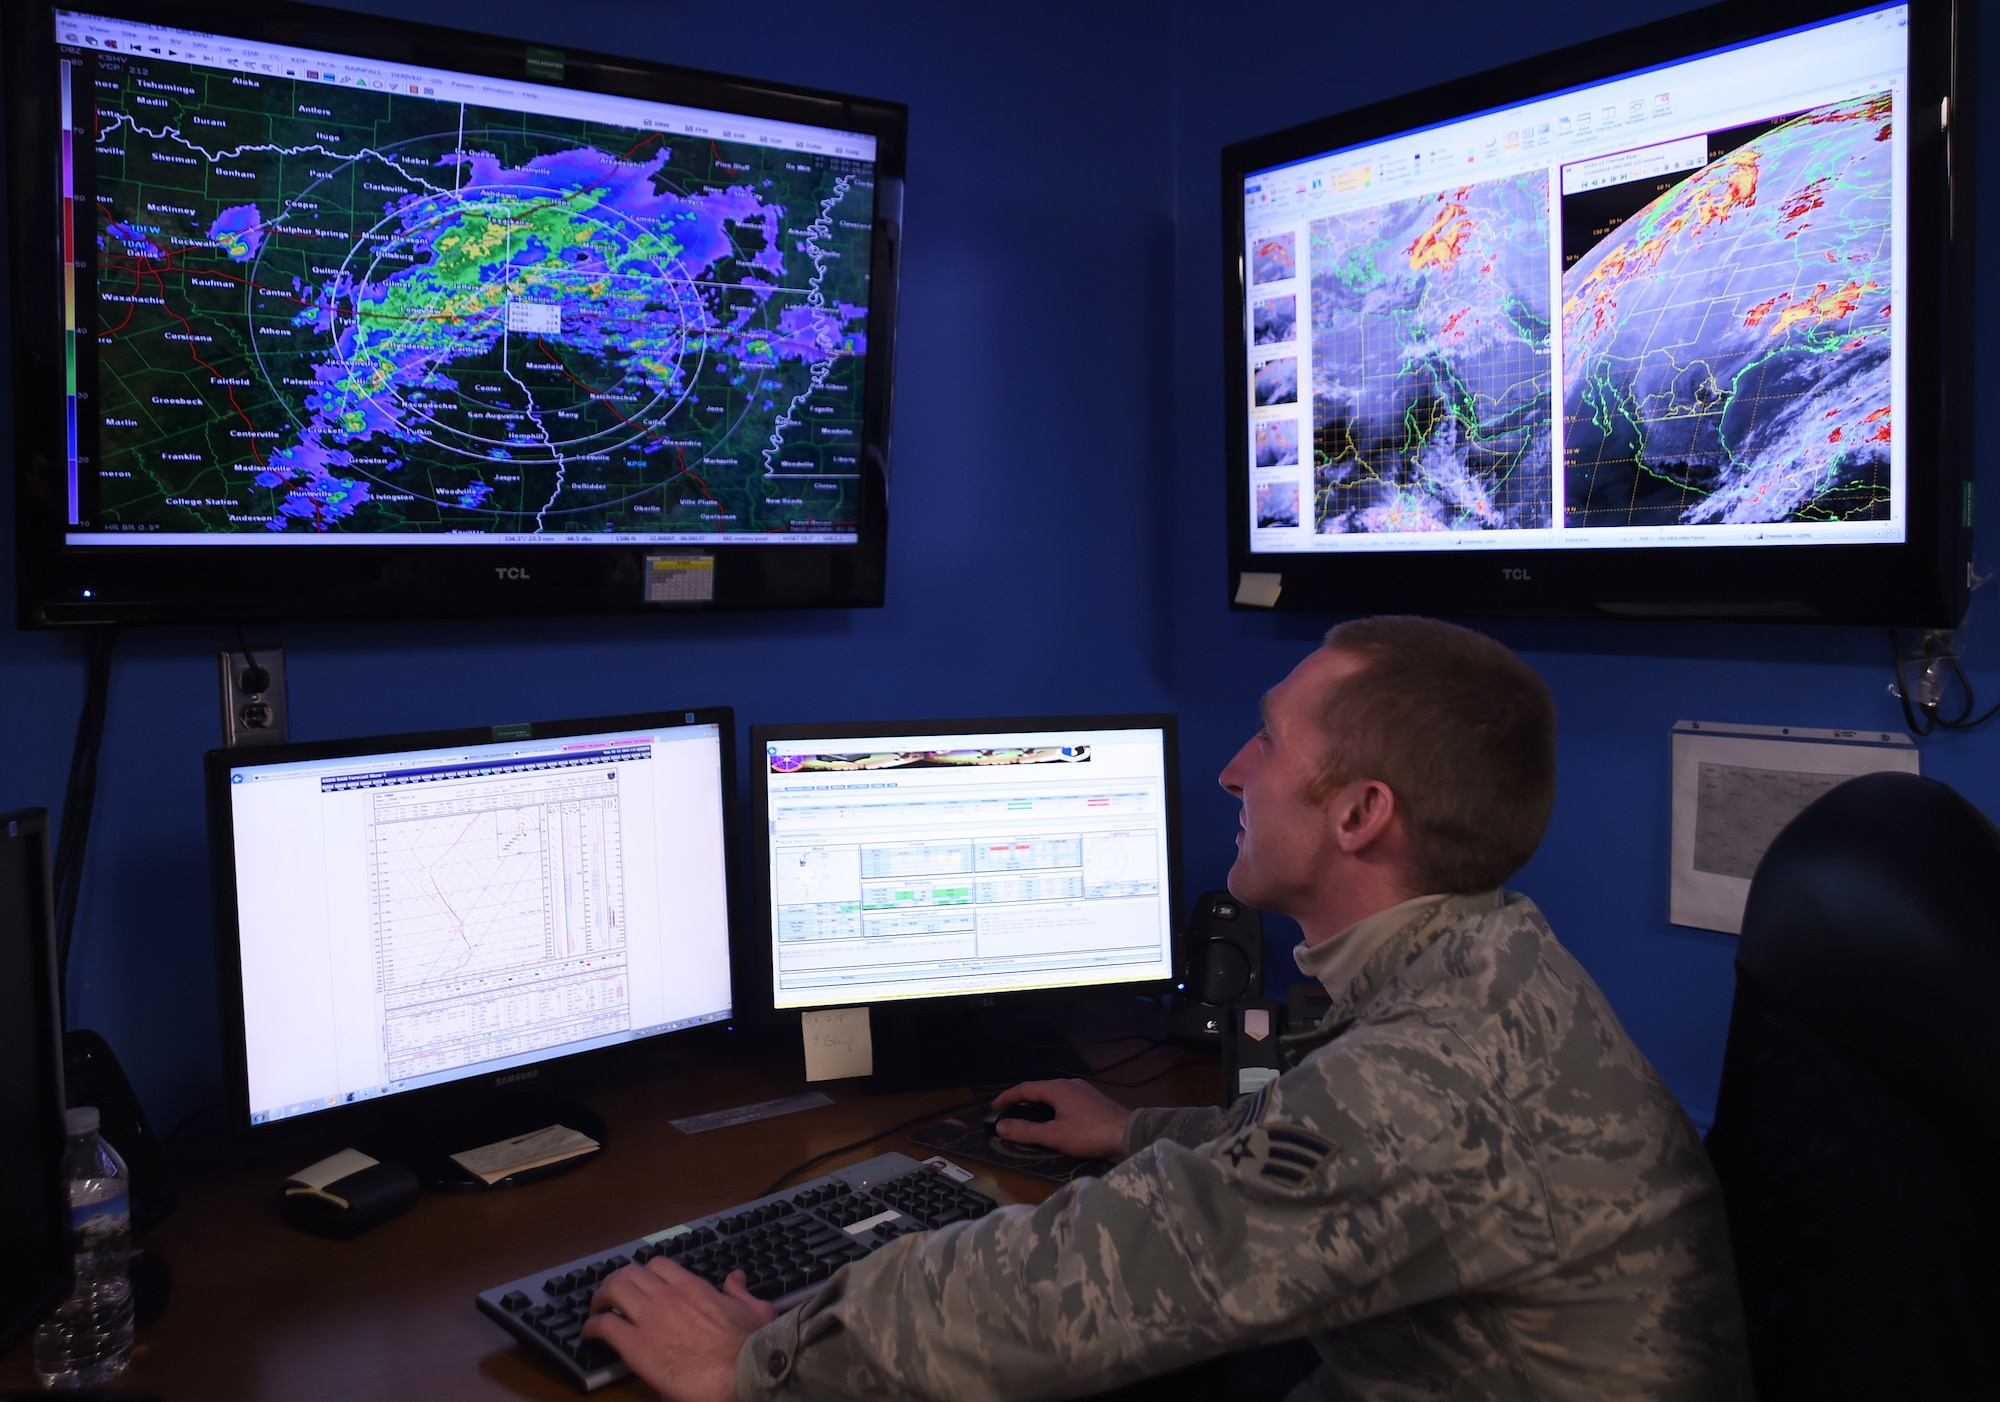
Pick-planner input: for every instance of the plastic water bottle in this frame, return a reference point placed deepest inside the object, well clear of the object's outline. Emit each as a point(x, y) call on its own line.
point(88, 1340)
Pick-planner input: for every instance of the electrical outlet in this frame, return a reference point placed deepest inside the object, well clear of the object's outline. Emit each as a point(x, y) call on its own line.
point(253, 707)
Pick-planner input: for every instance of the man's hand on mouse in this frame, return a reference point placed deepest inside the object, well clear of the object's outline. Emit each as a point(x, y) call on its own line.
point(1088, 1124)
point(676, 1331)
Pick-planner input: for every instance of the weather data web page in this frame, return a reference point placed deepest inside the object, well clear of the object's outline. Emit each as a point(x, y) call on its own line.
point(1662, 310)
point(413, 918)
point(916, 866)
point(320, 300)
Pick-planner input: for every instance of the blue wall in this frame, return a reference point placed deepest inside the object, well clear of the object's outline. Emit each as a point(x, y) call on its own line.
point(1057, 540)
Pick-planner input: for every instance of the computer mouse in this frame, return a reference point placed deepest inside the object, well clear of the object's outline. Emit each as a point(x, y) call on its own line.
point(1037, 1111)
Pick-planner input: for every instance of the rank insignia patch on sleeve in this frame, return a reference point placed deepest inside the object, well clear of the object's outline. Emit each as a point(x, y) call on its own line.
point(1280, 1154)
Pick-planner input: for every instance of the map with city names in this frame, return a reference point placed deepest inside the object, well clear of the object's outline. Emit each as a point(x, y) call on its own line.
point(338, 310)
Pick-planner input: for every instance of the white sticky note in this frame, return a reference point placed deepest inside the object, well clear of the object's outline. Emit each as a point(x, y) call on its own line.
point(1259, 591)
point(837, 1044)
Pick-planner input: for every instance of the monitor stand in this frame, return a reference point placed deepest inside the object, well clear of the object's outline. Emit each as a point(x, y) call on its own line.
point(987, 1048)
point(426, 1142)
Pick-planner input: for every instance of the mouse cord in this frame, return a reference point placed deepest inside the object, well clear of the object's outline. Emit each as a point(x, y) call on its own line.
point(1096, 1074)
point(796, 1169)
point(1159, 1075)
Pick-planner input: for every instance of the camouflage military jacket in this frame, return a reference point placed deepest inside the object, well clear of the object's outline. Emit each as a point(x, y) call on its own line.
point(1470, 1185)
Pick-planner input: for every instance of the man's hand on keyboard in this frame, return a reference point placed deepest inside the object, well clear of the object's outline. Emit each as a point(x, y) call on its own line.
point(1088, 1124)
point(675, 1330)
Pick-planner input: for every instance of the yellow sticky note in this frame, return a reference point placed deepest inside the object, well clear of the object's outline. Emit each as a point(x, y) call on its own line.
point(1259, 590)
point(837, 1044)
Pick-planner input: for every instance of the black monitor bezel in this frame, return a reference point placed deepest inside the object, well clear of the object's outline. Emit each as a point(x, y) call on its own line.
point(758, 944)
point(1924, 581)
point(30, 826)
point(231, 583)
point(555, 1071)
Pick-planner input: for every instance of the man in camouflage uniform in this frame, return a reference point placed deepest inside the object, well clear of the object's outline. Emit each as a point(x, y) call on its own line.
point(1469, 1185)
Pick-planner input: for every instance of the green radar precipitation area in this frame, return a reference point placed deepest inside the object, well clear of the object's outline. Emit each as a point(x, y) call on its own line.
point(352, 312)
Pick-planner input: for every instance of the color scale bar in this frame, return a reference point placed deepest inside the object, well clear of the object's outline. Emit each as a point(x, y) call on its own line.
point(69, 281)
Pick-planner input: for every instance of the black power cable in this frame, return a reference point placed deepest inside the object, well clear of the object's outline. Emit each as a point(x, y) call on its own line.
point(254, 680)
point(1926, 714)
point(80, 798)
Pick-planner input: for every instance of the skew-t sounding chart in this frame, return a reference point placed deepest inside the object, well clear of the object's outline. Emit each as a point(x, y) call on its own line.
point(499, 915)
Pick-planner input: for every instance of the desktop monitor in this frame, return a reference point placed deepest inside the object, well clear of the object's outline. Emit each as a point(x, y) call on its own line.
point(326, 314)
point(34, 1194)
point(1673, 323)
point(928, 866)
point(409, 924)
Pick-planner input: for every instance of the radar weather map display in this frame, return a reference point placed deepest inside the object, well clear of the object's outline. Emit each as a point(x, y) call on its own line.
point(1661, 310)
point(322, 299)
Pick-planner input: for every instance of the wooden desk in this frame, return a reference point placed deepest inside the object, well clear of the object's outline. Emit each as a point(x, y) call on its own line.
point(260, 1311)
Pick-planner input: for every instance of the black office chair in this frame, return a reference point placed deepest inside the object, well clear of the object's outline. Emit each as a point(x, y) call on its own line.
point(1857, 1133)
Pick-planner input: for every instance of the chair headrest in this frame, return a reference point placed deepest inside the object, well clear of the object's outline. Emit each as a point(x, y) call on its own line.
point(1874, 920)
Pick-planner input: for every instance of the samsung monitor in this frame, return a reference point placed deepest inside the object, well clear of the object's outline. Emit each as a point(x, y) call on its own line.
point(936, 865)
point(321, 314)
point(1671, 323)
point(408, 923)
point(34, 1192)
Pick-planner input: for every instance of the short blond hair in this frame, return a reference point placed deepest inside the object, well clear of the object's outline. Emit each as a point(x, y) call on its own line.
point(1462, 732)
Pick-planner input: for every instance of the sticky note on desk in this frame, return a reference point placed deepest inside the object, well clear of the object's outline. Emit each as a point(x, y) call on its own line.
point(837, 1044)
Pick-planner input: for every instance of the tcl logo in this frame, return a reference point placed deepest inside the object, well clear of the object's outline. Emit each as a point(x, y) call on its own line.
point(1515, 575)
point(509, 572)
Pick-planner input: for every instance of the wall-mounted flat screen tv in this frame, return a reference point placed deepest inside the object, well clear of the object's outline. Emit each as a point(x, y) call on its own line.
point(320, 314)
point(1674, 323)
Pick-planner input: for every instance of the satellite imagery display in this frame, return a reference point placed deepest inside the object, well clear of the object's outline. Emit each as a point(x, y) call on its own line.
point(1277, 443)
point(1272, 319)
point(1431, 391)
point(340, 311)
point(1726, 348)
point(1276, 382)
point(1274, 259)
point(1277, 505)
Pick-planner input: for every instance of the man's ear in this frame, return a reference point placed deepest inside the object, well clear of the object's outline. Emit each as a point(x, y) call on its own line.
point(1361, 813)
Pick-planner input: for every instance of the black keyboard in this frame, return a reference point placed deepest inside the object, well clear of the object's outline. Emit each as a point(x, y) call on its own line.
point(786, 1244)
